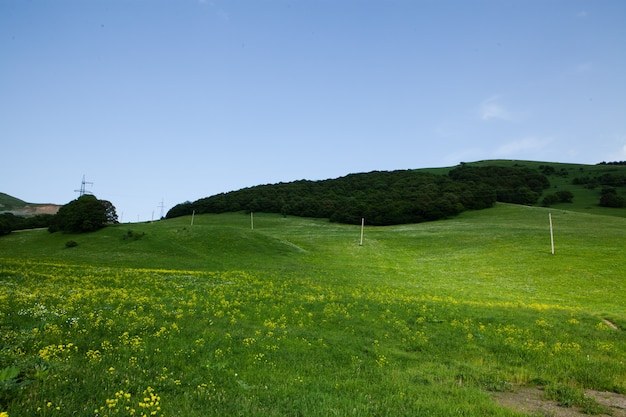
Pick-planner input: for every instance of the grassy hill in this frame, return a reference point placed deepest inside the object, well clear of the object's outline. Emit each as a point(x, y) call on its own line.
point(586, 199)
point(8, 202)
point(562, 176)
point(412, 196)
point(20, 207)
point(294, 317)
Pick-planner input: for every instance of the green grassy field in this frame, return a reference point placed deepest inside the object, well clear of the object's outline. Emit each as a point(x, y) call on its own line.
point(296, 318)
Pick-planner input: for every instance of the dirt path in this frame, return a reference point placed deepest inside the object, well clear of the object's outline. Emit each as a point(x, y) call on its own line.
point(530, 400)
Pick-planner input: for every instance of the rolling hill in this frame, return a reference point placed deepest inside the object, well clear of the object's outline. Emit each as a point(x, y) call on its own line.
point(10, 204)
point(212, 314)
point(411, 196)
point(293, 316)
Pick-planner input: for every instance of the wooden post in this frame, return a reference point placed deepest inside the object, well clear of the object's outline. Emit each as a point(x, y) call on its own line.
point(362, 226)
point(251, 220)
point(193, 213)
point(551, 233)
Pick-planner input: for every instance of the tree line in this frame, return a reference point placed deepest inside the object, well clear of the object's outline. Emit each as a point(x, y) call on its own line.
point(382, 197)
point(10, 222)
point(85, 214)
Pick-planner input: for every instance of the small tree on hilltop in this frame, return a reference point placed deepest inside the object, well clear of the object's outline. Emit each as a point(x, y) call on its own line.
point(85, 214)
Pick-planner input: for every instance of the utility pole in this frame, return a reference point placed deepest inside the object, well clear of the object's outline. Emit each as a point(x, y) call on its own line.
point(82, 191)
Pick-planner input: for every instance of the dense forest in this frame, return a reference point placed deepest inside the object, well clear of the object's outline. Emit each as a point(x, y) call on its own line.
point(382, 197)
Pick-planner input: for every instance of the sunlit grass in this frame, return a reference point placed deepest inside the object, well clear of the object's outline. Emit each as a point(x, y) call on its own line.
point(295, 318)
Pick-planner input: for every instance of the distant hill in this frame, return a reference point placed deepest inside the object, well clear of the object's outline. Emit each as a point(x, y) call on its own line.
point(383, 197)
point(413, 196)
point(10, 204)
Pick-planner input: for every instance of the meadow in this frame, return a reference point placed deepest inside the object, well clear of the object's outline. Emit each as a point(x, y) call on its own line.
point(294, 318)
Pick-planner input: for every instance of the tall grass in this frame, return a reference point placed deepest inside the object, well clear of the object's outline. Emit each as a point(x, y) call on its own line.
point(295, 318)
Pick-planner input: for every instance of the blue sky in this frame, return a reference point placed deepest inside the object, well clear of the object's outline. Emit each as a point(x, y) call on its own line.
point(164, 101)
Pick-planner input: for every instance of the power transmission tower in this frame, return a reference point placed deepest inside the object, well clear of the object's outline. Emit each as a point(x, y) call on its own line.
point(162, 207)
point(82, 191)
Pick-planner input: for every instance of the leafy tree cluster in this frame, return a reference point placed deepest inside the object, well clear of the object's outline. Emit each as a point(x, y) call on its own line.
point(610, 180)
point(85, 214)
point(382, 197)
point(613, 163)
point(610, 198)
point(563, 196)
point(511, 184)
point(550, 170)
point(10, 222)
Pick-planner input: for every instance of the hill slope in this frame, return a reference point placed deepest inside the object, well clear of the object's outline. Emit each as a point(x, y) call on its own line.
point(411, 196)
point(491, 248)
point(383, 197)
point(293, 315)
point(19, 207)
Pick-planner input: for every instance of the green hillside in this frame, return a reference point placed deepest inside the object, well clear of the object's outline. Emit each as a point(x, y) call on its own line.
point(8, 203)
point(13, 205)
point(563, 176)
point(294, 317)
point(413, 196)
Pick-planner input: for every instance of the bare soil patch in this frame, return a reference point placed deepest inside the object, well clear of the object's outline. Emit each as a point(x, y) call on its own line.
point(530, 400)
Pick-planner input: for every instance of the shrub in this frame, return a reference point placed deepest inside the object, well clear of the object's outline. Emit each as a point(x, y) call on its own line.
point(549, 200)
point(565, 196)
point(610, 198)
point(133, 235)
point(71, 244)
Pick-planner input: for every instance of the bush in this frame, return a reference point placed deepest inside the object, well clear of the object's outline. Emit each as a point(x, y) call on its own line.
point(558, 197)
point(549, 200)
point(85, 214)
point(71, 244)
point(610, 198)
point(133, 235)
point(565, 196)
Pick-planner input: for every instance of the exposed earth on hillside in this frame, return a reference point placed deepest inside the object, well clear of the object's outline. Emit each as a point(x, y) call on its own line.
point(32, 210)
point(531, 400)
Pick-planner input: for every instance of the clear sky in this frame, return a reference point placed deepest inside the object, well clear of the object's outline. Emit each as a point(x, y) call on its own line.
point(164, 101)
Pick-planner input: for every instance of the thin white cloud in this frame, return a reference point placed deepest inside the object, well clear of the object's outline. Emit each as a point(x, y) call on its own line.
point(525, 146)
point(492, 109)
point(581, 14)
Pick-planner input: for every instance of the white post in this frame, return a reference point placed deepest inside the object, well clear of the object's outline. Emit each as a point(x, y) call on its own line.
point(362, 226)
point(193, 213)
point(251, 220)
point(551, 233)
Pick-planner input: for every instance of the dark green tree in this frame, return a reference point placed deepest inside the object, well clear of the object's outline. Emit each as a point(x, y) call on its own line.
point(6, 226)
point(610, 198)
point(85, 214)
point(565, 196)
